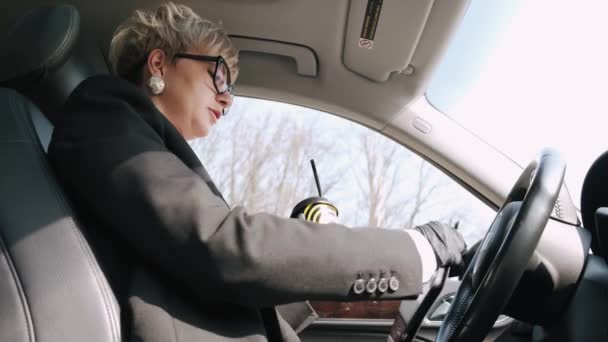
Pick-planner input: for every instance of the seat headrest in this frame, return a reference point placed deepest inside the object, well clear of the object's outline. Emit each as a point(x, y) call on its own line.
point(594, 195)
point(39, 43)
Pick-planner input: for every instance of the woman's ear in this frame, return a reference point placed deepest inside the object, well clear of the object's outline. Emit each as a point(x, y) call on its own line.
point(157, 60)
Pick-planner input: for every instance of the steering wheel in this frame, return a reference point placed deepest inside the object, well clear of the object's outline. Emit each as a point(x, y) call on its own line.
point(502, 257)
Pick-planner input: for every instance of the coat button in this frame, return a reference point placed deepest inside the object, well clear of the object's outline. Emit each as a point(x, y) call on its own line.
point(393, 284)
point(359, 286)
point(382, 285)
point(371, 286)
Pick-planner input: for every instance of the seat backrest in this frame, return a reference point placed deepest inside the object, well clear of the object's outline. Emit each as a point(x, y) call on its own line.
point(51, 286)
point(594, 195)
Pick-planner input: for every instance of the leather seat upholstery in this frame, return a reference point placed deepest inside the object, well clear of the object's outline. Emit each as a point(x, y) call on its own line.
point(51, 286)
point(594, 195)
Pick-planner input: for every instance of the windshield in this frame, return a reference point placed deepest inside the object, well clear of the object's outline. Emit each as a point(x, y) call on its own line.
point(523, 75)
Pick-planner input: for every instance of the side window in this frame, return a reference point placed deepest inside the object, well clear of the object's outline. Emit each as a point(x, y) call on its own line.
point(259, 157)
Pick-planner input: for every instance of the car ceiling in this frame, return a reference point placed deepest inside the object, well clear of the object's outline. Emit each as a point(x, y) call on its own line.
point(306, 52)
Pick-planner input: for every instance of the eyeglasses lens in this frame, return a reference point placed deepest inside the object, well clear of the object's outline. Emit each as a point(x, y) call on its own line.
point(221, 78)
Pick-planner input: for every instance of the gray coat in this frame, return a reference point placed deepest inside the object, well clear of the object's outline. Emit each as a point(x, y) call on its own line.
point(184, 265)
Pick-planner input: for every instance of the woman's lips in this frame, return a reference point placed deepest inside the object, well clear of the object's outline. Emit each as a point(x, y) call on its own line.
point(215, 113)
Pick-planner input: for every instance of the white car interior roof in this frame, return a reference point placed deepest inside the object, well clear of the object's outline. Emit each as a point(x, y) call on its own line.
point(364, 60)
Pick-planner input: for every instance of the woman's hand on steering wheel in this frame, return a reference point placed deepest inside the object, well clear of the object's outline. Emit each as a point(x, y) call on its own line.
point(447, 243)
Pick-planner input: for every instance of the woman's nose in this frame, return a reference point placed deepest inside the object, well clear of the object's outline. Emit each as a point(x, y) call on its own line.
point(224, 99)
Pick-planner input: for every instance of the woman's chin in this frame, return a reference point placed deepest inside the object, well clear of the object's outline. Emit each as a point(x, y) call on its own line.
point(200, 129)
point(203, 131)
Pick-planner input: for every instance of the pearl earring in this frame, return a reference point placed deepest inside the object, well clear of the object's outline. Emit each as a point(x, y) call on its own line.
point(156, 84)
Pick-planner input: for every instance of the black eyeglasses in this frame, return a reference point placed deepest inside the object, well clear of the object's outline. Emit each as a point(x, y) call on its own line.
point(221, 74)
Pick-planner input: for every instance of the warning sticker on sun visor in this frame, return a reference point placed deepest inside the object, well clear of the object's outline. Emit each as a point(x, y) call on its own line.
point(370, 23)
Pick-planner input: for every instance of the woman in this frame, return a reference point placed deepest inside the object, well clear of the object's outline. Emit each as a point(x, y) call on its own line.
point(185, 266)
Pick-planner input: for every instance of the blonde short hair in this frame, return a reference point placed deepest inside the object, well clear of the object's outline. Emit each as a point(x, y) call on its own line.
point(172, 28)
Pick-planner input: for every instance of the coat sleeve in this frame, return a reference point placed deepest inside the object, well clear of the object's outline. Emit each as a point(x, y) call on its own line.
point(133, 185)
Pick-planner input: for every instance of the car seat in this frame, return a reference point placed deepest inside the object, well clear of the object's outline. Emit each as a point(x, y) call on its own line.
point(51, 286)
point(594, 195)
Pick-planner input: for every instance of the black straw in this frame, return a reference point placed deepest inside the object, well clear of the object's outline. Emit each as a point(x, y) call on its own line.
point(314, 171)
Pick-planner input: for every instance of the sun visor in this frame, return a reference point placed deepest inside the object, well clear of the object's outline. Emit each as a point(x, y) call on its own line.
point(382, 35)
